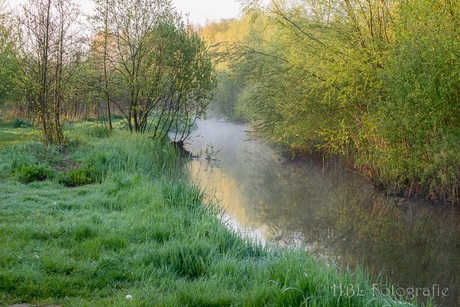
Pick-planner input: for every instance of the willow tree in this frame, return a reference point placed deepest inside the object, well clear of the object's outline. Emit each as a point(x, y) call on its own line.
point(48, 29)
point(419, 123)
point(315, 70)
point(376, 81)
point(159, 68)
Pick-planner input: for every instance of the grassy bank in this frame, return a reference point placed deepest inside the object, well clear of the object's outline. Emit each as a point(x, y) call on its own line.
point(114, 215)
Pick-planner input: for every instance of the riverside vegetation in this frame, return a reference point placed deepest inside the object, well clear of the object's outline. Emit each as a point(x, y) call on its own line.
point(373, 81)
point(111, 219)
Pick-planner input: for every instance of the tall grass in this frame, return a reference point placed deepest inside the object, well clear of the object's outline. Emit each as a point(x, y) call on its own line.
point(142, 229)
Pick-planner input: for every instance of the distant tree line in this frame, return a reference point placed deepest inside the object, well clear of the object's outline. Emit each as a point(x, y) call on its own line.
point(374, 81)
point(131, 58)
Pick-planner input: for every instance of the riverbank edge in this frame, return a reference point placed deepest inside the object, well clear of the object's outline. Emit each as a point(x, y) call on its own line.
point(140, 235)
point(393, 180)
point(356, 163)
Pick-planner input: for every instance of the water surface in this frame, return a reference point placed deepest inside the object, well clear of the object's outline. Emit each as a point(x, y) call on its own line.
point(330, 211)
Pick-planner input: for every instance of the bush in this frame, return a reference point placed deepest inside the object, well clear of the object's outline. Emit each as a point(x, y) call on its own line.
point(35, 172)
point(77, 177)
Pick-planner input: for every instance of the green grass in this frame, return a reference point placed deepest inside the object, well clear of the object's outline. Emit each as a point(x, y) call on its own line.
point(12, 136)
point(141, 229)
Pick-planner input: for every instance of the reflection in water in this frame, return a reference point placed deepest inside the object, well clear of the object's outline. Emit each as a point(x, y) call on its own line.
point(332, 212)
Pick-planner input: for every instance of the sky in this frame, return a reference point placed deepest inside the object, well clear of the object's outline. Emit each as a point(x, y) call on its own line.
point(212, 10)
point(199, 11)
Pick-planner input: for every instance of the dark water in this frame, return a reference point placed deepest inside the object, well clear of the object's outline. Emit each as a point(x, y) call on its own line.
point(333, 213)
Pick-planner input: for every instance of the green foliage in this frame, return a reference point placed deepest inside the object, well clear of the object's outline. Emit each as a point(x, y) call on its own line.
point(420, 119)
point(376, 82)
point(136, 65)
point(225, 100)
point(77, 177)
point(133, 152)
point(47, 61)
point(160, 75)
point(35, 172)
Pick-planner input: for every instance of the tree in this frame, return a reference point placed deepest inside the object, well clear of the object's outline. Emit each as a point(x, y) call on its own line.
point(104, 37)
point(9, 61)
point(159, 67)
point(419, 122)
point(48, 30)
point(187, 82)
point(222, 37)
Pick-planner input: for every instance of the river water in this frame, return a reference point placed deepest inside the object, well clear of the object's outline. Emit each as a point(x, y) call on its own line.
point(332, 212)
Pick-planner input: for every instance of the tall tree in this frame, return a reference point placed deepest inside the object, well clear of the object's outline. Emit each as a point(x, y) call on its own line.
point(162, 73)
point(9, 61)
point(100, 21)
point(124, 27)
point(49, 47)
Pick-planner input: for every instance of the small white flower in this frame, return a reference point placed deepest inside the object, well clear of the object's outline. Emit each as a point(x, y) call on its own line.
point(129, 297)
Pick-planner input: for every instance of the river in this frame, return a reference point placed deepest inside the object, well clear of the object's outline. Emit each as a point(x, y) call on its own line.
point(332, 212)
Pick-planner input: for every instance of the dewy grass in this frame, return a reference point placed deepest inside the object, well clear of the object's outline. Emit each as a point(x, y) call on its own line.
point(143, 231)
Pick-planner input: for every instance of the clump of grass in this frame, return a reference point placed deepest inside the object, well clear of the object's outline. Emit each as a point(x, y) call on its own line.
point(98, 131)
point(143, 230)
point(29, 153)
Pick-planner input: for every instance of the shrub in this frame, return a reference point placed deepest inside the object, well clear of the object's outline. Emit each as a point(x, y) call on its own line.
point(77, 177)
point(35, 172)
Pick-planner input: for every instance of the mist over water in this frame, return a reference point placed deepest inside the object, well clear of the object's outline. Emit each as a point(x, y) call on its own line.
point(329, 211)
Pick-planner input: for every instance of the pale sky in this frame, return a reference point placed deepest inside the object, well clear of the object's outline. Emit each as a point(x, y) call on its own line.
point(199, 10)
